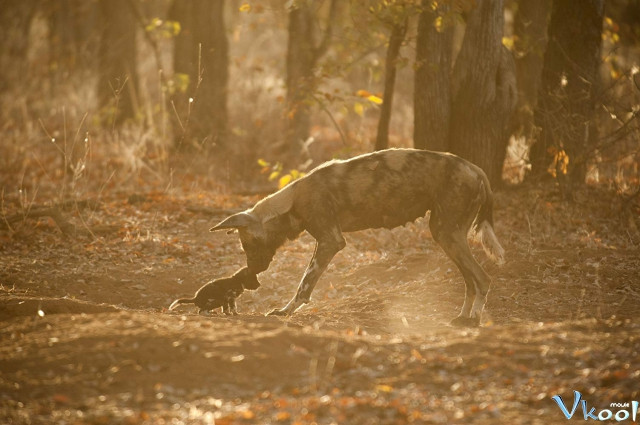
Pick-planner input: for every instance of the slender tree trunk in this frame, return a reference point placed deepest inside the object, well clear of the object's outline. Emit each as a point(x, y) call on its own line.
point(569, 79)
point(484, 91)
point(117, 81)
point(215, 79)
point(398, 32)
point(301, 59)
point(201, 51)
point(432, 90)
point(305, 47)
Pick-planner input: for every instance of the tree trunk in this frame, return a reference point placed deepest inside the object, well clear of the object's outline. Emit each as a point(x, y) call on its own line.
point(432, 90)
point(117, 80)
point(15, 20)
point(569, 78)
point(301, 60)
point(303, 53)
point(530, 41)
point(484, 91)
point(201, 51)
point(398, 32)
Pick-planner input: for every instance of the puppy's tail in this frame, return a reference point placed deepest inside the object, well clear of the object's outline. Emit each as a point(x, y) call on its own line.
point(181, 301)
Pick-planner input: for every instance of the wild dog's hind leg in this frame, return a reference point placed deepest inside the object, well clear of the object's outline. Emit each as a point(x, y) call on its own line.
point(327, 245)
point(455, 245)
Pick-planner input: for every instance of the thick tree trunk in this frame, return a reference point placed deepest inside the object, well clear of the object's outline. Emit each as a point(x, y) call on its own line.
point(484, 91)
point(398, 32)
point(201, 51)
point(530, 41)
point(15, 19)
point(117, 81)
point(569, 78)
point(432, 90)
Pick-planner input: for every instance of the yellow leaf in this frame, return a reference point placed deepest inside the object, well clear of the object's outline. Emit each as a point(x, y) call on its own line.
point(175, 27)
point(274, 175)
point(437, 23)
point(374, 99)
point(507, 42)
point(263, 163)
point(284, 180)
point(560, 163)
point(384, 388)
point(358, 109)
point(246, 7)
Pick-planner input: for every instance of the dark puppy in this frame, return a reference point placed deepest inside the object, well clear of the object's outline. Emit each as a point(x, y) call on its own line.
point(221, 292)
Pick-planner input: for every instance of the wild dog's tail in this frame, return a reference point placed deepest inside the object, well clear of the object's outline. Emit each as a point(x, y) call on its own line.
point(181, 301)
point(490, 242)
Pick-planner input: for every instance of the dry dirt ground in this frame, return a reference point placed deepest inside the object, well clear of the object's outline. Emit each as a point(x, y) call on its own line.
point(86, 337)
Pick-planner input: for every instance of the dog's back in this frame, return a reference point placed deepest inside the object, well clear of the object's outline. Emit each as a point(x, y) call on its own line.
point(387, 188)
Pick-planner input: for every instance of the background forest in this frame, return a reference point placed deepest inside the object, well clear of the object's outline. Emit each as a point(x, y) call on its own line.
point(300, 82)
point(129, 127)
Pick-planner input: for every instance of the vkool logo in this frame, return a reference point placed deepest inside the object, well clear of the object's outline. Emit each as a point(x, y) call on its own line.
point(625, 410)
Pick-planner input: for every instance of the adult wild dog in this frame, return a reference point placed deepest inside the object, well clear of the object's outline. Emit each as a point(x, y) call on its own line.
point(382, 189)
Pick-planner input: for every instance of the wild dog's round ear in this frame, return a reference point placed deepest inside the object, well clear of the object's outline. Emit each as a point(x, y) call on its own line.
point(236, 221)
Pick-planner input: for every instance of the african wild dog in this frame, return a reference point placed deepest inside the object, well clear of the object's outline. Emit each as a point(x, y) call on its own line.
point(221, 292)
point(382, 189)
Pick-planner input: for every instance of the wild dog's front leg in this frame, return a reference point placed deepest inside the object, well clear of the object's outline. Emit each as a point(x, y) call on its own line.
point(324, 252)
point(230, 307)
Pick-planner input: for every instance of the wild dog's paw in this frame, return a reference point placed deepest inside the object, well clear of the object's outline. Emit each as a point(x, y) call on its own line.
point(466, 322)
point(278, 312)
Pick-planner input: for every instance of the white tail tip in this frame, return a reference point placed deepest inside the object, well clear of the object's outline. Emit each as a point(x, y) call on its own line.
point(490, 243)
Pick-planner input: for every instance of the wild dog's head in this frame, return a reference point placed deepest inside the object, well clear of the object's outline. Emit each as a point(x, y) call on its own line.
point(259, 240)
point(246, 279)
